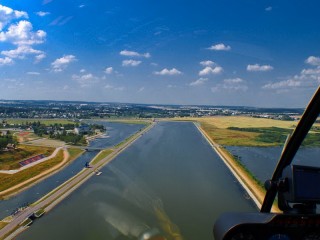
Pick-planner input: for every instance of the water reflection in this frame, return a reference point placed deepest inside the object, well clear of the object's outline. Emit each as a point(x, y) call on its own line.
point(169, 184)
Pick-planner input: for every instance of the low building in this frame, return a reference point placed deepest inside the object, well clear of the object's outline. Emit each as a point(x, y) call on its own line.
point(83, 129)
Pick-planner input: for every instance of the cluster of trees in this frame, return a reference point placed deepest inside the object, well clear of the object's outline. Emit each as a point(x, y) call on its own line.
point(5, 140)
point(69, 137)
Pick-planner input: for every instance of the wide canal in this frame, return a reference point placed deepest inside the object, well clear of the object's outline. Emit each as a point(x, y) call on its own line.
point(169, 183)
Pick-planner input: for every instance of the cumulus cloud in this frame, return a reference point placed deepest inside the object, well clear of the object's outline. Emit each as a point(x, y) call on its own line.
point(198, 82)
point(61, 63)
point(231, 85)
point(85, 80)
point(8, 14)
point(6, 61)
point(22, 34)
point(170, 72)
point(108, 70)
point(307, 78)
point(312, 60)
point(259, 68)
point(39, 57)
point(211, 70)
point(220, 47)
point(207, 63)
point(134, 54)
point(131, 63)
point(21, 52)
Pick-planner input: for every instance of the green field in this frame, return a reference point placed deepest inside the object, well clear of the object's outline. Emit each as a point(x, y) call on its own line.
point(10, 160)
point(10, 180)
point(46, 122)
point(101, 156)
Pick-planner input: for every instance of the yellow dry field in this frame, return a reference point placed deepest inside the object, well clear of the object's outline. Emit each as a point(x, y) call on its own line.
point(246, 122)
point(217, 129)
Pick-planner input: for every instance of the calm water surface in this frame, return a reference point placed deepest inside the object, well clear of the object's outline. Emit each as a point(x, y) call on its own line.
point(169, 182)
point(261, 161)
point(116, 132)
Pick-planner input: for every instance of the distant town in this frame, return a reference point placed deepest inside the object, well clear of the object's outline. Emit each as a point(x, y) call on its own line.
point(88, 110)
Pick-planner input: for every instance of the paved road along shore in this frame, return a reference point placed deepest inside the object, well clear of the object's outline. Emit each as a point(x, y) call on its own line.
point(57, 195)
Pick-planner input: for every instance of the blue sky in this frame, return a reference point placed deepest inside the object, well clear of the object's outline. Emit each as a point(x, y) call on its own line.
point(232, 52)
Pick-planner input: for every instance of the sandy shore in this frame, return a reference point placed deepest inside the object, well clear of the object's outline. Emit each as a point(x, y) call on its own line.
point(255, 191)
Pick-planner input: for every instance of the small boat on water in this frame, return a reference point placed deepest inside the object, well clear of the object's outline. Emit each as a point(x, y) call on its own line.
point(98, 173)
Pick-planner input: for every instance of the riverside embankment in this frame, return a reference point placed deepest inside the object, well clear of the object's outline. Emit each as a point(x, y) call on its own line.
point(57, 195)
point(255, 191)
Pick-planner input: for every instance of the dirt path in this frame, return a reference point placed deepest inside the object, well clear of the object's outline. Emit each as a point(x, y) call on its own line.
point(45, 173)
point(256, 192)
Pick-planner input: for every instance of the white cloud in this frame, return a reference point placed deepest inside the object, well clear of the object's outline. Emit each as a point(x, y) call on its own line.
point(21, 52)
point(170, 72)
point(268, 9)
point(134, 54)
point(207, 63)
point(8, 14)
point(283, 84)
point(82, 6)
point(61, 63)
point(131, 63)
point(231, 85)
point(220, 47)
point(33, 73)
point(40, 57)
point(307, 78)
point(85, 80)
point(108, 70)
point(233, 80)
point(312, 60)
point(65, 87)
point(22, 34)
point(82, 70)
point(259, 68)
point(42, 14)
point(210, 70)
point(199, 82)
point(6, 61)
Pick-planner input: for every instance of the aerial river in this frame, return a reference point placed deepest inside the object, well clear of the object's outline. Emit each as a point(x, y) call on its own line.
point(169, 183)
point(116, 132)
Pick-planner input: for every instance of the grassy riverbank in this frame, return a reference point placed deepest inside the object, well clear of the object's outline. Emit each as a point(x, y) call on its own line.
point(31, 175)
point(101, 155)
point(10, 159)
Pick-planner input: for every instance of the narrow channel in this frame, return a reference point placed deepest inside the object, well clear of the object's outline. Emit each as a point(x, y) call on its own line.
point(169, 182)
